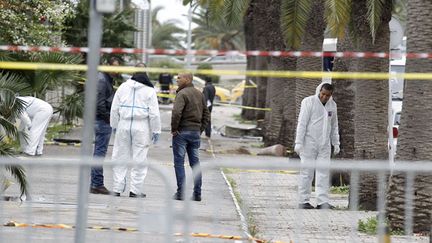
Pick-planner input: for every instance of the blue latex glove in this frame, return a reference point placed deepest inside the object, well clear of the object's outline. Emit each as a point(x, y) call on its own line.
point(155, 137)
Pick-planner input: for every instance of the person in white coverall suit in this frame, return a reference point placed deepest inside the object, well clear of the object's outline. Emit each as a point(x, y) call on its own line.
point(317, 130)
point(135, 119)
point(34, 121)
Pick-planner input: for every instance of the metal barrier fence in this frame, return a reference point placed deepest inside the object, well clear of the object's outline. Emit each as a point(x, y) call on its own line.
point(253, 199)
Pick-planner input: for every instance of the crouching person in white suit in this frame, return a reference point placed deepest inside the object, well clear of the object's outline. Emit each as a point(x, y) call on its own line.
point(135, 119)
point(34, 121)
point(317, 127)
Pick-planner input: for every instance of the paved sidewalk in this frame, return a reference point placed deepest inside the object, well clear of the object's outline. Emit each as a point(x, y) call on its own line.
point(54, 193)
point(270, 201)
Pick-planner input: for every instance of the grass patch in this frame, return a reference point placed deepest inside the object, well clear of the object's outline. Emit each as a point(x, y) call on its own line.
point(257, 145)
point(370, 226)
point(56, 130)
point(339, 189)
point(252, 226)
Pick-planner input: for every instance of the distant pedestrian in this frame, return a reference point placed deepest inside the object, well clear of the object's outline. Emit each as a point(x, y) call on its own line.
point(317, 130)
point(136, 122)
point(105, 95)
point(165, 80)
point(209, 92)
point(190, 117)
point(34, 121)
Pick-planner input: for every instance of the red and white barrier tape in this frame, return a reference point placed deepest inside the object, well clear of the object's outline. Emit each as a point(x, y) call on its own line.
point(216, 52)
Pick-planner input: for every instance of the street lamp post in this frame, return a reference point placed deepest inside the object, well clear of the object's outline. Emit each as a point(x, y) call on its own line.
point(189, 38)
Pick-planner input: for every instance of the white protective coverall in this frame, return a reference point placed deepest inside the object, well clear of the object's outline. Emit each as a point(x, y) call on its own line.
point(317, 126)
point(34, 121)
point(134, 118)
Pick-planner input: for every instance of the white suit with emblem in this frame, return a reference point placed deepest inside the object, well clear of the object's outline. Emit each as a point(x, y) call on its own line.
point(135, 117)
point(317, 129)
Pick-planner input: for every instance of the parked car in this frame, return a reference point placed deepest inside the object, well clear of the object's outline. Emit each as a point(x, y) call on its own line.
point(237, 91)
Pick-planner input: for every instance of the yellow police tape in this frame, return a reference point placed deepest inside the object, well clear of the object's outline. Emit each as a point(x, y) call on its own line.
point(244, 107)
point(250, 73)
point(126, 229)
point(172, 96)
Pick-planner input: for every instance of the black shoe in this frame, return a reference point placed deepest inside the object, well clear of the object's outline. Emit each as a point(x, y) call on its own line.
point(116, 194)
point(196, 197)
point(306, 206)
point(139, 195)
point(178, 196)
point(100, 190)
point(325, 206)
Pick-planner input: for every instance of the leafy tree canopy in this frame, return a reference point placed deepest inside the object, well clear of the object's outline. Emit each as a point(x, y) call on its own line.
point(33, 22)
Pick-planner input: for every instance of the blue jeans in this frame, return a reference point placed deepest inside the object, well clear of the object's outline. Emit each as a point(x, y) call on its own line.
point(102, 138)
point(187, 142)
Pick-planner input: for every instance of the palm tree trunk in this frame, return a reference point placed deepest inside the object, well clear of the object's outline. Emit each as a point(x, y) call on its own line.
point(280, 121)
point(312, 41)
point(250, 95)
point(256, 35)
point(371, 99)
point(415, 137)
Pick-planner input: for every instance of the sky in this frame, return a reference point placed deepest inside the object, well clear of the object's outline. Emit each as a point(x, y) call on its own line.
point(173, 9)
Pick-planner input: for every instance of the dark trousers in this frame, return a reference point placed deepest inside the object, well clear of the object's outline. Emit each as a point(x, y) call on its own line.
point(102, 138)
point(187, 142)
point(208, 129)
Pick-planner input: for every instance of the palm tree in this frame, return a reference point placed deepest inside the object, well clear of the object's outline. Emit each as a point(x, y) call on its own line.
point(415, 137)
point(365, 136)
point(311, 40)
point(43, 80)
point(10, 107)
point(254, 30)
point(165, 35)
point(216, 33)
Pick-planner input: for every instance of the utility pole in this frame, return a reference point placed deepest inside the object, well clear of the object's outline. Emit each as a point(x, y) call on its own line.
point(189, 38)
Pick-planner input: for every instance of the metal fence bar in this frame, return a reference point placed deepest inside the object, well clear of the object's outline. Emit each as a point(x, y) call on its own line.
point(409, 198)
point(94, 40)
point(29, 212)
point(32, 164)
point(381, 203)
point(354, 200)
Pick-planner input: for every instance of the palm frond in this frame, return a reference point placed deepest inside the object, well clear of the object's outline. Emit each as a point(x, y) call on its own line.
point(294, 17)
point(11, 86)
point(9, 127)
point(234, 11)
point(338, 15)
point(71, 107)
point(44, 80)
point(18, 172)
point(6, 56)
point(374, 14)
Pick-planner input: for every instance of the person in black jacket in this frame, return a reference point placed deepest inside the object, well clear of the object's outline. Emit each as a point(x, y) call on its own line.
point(209, 92)
point(105, 95)
point(165, 80)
